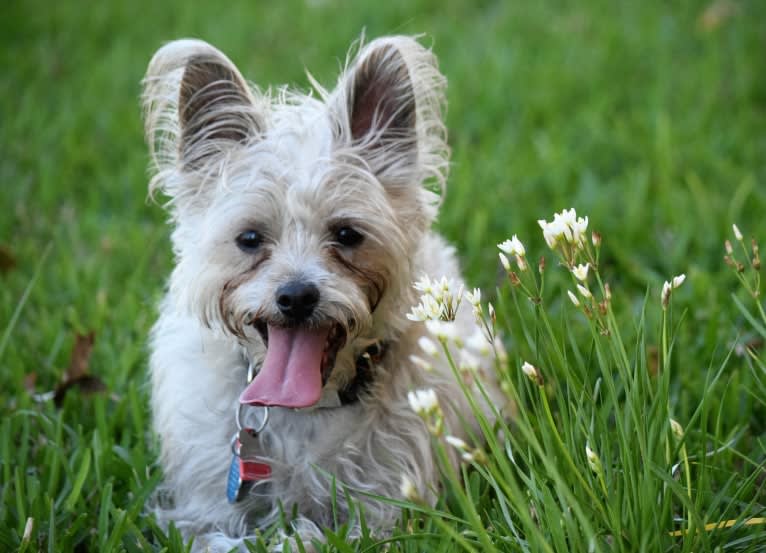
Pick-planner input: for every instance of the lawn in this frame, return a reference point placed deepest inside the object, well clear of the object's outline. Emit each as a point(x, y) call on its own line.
point(649, 117)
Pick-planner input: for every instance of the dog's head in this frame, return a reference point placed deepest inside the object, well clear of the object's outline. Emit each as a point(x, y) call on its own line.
point(297, 218)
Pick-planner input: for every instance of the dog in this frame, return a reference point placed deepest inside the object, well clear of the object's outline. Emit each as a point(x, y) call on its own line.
point(283, 357)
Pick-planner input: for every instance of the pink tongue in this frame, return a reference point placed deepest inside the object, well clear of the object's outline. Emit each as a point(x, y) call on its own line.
point(291, 375)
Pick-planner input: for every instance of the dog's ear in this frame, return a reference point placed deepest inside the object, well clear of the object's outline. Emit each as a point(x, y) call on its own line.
point(391, 111)
point(197, 105)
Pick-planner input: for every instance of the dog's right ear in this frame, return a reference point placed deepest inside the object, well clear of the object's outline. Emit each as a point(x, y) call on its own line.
point(197, 106)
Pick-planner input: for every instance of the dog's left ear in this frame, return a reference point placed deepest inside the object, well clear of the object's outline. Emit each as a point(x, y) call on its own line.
point(390, 105)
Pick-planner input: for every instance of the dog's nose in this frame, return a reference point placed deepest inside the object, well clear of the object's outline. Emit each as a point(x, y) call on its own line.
point(297, 300)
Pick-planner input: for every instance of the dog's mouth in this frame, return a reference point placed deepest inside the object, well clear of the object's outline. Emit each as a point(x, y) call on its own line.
point(298, 362)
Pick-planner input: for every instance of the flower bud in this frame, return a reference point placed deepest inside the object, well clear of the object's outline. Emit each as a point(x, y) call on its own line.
point(532, 373)
point(573, 298)
point(737, 233)
point(678, 430)
point(593, 460)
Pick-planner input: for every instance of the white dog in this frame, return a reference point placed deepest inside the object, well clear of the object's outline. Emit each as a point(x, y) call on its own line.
point(300, 224)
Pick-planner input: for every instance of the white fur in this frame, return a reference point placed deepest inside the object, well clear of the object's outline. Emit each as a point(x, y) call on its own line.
point(293, 169)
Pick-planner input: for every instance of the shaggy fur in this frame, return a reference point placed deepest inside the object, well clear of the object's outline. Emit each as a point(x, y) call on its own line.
point(295, 168)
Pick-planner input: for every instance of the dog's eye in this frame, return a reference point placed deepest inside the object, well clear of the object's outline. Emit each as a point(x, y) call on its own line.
point(249, 240)
point(346, 236)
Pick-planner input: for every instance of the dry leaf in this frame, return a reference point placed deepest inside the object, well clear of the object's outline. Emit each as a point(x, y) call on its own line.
point(78, 362)
point(7, 259)
point(76, 375)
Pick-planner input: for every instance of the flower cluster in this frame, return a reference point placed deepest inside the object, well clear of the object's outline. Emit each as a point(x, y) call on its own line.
point(440, 300)
point(474, 353)
point(515, 248)
point(566, 229)
point(523, 278)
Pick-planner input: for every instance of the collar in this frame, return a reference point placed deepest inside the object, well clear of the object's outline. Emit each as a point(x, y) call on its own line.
point(366, 364)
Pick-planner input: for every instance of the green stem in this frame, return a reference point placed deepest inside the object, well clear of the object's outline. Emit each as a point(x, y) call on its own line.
point(568, 457)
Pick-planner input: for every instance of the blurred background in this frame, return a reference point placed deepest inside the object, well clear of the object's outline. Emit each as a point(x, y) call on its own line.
point(649, 117)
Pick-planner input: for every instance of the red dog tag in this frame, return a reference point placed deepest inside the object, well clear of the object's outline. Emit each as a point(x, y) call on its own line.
point(252, 470)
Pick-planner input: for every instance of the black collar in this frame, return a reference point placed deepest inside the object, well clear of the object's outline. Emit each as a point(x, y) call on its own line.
point(366, 365)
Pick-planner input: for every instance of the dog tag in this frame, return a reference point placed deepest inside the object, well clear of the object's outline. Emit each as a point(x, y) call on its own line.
point(248, 444)
point(243, 469)
point(236, 487)
point(248, 452)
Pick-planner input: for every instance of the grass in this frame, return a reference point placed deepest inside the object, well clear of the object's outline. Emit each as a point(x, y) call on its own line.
point(649, 118)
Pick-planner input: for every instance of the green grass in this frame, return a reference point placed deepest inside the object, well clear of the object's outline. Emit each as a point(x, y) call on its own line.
point(636, 113)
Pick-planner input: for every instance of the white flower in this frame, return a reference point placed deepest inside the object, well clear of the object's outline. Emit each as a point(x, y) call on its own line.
point(417, 314)
point(421, 363)
point(428, 346)
point(574, 299)
point(407, 489)
point(567, 216)
point(565, 226)
point(530, 371)
point(581, 272)
point(423, 401)
point(584, 291)
point(579, 229)
point(737, 233)
point(513, 247)
point(504, 261)
point(593, 460)
point(665, 296)
point(424, 285)
point(428, 309)
point(552, 232)
point(478, 343)
point(444, 330)
point(474, 298)
point(445, 286)
point(668, 287)
point(456, 442)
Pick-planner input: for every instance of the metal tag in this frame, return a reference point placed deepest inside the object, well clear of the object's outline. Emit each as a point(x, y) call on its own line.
point(244, 470)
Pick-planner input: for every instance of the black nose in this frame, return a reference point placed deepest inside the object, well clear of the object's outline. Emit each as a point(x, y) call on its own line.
point(297, 300)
